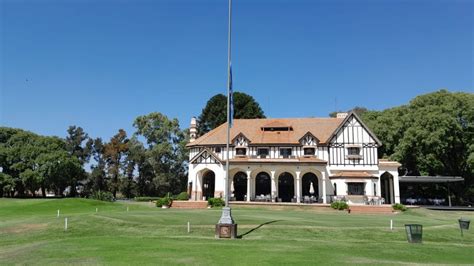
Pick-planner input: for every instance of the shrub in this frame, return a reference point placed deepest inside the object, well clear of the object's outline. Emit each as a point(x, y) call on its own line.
point(102, 195)
point(146, 198)
point(165, 201)
point(181, 196)
point(339, 205)
point(216, 202)
point(399, 207)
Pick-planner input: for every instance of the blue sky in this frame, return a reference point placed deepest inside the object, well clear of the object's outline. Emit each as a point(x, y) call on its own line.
point(99, 64)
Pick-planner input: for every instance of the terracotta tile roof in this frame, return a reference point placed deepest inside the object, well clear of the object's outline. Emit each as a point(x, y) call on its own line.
point(352, 174)
point(321, 128)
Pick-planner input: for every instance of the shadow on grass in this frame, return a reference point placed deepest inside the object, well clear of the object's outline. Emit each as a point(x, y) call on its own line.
point(253, 229)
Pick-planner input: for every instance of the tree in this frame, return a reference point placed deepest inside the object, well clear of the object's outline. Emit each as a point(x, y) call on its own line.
point(164, 154)
point(7, 184)
point(78, 144)
point(432, 135)
point(31, 162)
point(114, 152)
point(215, 111)
point(97, 178)
point(134, 157)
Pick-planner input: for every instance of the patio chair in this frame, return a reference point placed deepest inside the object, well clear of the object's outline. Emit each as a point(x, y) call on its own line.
point(306, 199)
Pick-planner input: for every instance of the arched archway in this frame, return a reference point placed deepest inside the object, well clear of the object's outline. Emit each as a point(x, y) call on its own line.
point(240, 186)
point(286, 187)
point(307, 180)
point(208, 184)
point(386, 187)
point(263, 184)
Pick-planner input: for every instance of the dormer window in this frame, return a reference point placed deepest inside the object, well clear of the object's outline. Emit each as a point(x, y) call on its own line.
point(241, 151)
point(262, 152)
point(309, 151)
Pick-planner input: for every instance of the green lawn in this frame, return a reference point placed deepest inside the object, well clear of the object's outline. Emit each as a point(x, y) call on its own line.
point(30, 233)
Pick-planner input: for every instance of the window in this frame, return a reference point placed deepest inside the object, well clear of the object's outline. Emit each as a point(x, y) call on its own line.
point(353, 151)
point(285, 152)
point(309, 151)
point(262, 152)
point(217, 149)
point(240, 151)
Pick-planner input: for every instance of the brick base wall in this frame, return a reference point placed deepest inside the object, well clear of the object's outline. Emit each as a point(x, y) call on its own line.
point(185, 204)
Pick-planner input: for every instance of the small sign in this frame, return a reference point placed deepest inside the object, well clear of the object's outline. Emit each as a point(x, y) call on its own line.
point(226, 230)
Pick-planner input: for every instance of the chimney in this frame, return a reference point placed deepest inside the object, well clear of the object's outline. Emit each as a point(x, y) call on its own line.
point(193, 130)
point(341, 115)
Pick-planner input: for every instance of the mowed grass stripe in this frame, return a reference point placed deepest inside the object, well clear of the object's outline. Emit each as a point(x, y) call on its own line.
point(30, 233)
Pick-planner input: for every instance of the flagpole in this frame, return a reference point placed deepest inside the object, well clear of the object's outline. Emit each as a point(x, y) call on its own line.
point(226, 227)
point(229, 59)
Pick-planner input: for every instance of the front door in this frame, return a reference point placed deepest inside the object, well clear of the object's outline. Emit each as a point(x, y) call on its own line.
point(355, 188)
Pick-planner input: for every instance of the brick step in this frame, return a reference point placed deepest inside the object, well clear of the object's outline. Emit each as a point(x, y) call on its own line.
point(371, 209)
point(184, 204)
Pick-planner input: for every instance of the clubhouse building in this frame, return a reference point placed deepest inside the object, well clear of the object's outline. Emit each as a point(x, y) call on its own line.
point(300, 160)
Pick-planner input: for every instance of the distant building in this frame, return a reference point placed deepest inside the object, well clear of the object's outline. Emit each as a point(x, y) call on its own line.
point(293, 160)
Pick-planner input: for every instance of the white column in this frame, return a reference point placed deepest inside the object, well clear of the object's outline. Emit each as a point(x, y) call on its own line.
point(273, 186)
point(298, 187)
point(196, 186)
point(379, 187)
point(324, 187)
point(396, 187)
point(390, 189)
point(248, 185)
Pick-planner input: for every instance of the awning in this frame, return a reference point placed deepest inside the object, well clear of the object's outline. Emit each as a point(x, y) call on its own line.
point(353, 175)
point(430, 179)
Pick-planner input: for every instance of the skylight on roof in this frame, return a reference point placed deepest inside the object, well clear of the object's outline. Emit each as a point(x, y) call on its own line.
point(277, 129)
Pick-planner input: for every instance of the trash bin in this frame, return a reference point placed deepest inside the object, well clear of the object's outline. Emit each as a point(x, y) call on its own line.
point(464, 223)
point(414, 233)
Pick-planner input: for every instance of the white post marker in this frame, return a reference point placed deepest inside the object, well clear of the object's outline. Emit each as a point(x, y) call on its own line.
point(127, 208)
point(189, 227)
point(391, 224)
point(96, 209)
point(65, 224)
point(57, 216)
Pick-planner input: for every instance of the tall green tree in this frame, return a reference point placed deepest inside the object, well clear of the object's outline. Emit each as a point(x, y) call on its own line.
point(215, 111)
point(78, 144)
point(432, 135)
point(164, 151)
point(27, 160)
point(7, 185)
point(114, 152)
point(97, 177)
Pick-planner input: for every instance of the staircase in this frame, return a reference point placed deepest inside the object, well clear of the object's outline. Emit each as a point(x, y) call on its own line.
point(185, 204)
point(371, 209)
point(355, 199)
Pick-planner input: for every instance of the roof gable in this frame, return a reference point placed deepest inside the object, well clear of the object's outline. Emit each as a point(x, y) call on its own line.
point(357, 118)
point(240, 140)
point(205, 156)
point(309, 139)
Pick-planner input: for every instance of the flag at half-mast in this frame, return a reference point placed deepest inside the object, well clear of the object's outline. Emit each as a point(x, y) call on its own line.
point(231, 97)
